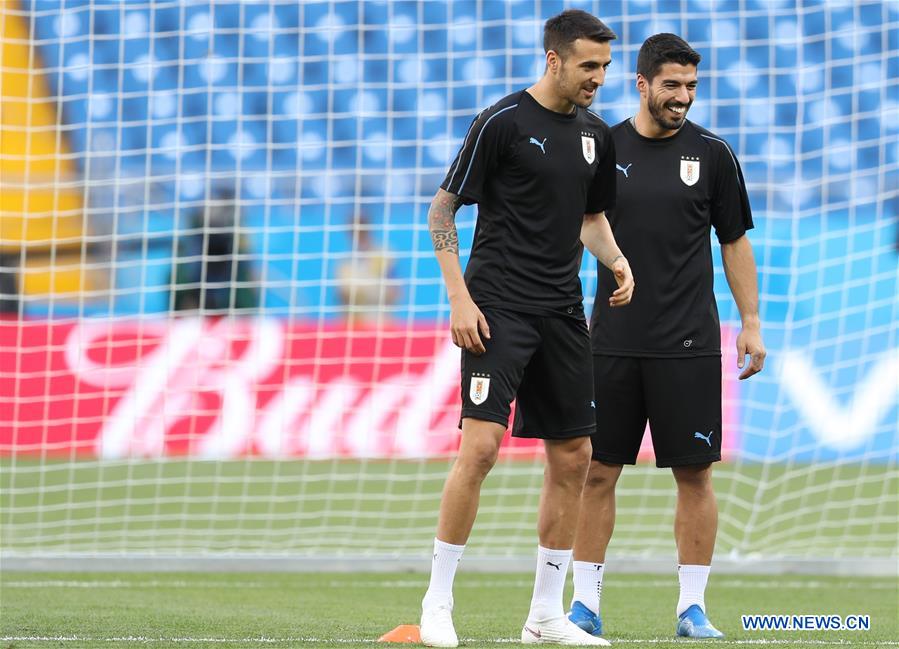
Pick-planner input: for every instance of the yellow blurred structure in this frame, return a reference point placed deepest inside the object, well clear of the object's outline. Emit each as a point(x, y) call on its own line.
point(41, 201)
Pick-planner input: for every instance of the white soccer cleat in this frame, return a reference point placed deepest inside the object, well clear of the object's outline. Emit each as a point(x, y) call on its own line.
point(559, 630)
point(437, 627)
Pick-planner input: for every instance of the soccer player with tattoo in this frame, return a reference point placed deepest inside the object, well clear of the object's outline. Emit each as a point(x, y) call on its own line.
point(660, 359)
point(541, 168)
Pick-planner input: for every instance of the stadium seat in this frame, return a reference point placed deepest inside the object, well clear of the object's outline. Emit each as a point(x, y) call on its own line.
point(290, 78)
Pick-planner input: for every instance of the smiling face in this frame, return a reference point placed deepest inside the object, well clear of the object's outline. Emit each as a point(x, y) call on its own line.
point(582, 70)
point(668, 97)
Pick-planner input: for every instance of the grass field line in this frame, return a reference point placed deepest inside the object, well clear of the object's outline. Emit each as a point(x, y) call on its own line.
point(270, 641)
point(120, 583)
point(617, 581)
point(623, 581)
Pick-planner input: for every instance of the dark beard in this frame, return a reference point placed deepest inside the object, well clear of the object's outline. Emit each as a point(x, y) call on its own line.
point(656, 111)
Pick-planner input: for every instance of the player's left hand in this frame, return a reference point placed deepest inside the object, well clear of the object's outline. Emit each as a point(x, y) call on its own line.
point(625, 278)
point(750, 342)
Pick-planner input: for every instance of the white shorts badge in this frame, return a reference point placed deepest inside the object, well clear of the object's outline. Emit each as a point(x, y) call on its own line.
point(689, 170)
point(588, 146)
point(479, 388)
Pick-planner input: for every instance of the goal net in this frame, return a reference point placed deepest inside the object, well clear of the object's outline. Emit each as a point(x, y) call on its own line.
point(224, 332)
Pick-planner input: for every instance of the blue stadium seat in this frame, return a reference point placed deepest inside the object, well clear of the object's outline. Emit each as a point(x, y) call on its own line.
point(697, 30)
point(461, 124)
point(813, 49)
point(841, 76)
point(74, 109)
point(344, 130)
point(213, 72)
point(284, 157)
point(107, 20)
point(404, 130)
point(727, 116)
point(196, 32)
point(226, 15)
point(342, 101)
point(465, 98)
point(404, 99)
point(346, 38)
point(196, 131)
point(375, 41)
point(287, 44)
point(194, 103)
point(317, 125)
point(493, 37)
point(377, 13)
point(434, 33)
point(288, 15)
point(345, 156)
point(134, 138)
point(313, 91)
point(523, 67)
point(284, 130)
point(375, 71)
point(404, 156)
point(254, 103)
point(315, 73)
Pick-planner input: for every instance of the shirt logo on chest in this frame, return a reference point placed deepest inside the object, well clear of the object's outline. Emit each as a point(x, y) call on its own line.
point(537, 142)
point(623, 169)
point(689, 170)
point(588, 147)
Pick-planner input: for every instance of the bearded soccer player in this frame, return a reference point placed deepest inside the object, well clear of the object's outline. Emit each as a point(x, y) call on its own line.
point(541, 168)
point(660, 359)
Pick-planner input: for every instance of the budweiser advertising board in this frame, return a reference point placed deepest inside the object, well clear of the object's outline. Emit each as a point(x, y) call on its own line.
point(231, 388)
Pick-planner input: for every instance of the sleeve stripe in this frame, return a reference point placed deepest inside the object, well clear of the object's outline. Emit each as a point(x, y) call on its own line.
point(476, 142)
point(458, 159)
point(727, 148)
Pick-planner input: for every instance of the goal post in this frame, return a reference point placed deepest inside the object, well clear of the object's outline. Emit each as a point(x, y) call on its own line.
point(224, 336)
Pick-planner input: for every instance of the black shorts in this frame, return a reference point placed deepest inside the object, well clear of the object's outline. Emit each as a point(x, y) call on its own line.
point(545, 362)
point(681, 398)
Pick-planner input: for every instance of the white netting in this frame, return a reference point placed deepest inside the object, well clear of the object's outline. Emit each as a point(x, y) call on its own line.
point(275, 160)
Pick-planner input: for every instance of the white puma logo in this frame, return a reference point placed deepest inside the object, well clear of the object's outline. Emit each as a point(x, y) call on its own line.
point(706, 438)
point(623, 169)
point(534, 140)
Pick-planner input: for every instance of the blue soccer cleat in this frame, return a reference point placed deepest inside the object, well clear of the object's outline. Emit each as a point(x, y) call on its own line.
point(586, 619)
point(693, 623)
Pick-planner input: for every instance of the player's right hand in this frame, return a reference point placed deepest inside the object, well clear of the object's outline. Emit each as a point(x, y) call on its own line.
point(625, 279)
point(466, 321)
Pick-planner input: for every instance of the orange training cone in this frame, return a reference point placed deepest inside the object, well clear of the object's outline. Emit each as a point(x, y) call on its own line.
point(403, 633)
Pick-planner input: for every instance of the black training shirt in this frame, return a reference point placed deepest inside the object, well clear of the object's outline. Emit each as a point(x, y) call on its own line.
point(671, 191)
point(534, 173)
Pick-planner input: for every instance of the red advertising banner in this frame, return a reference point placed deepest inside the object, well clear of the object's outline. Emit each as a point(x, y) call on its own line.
point(230, 388)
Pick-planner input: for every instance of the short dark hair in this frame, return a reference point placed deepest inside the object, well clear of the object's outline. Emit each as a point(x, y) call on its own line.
point(660, 49)
point(561, 31)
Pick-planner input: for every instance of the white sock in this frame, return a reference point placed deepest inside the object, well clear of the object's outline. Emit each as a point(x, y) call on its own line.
point(588, 584)
point(692, 586)
point(549, 583)
point(443, 571)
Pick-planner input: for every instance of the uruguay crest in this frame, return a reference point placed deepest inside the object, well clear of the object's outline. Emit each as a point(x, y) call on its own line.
point(479, 388)
point(588, 147)
point(689, 170)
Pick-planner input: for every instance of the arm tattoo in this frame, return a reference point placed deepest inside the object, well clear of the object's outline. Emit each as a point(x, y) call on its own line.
point(442, 222)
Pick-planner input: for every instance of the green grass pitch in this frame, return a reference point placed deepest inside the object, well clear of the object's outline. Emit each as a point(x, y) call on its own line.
point(303, 508)
point(348, 508)
point(343, 610)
